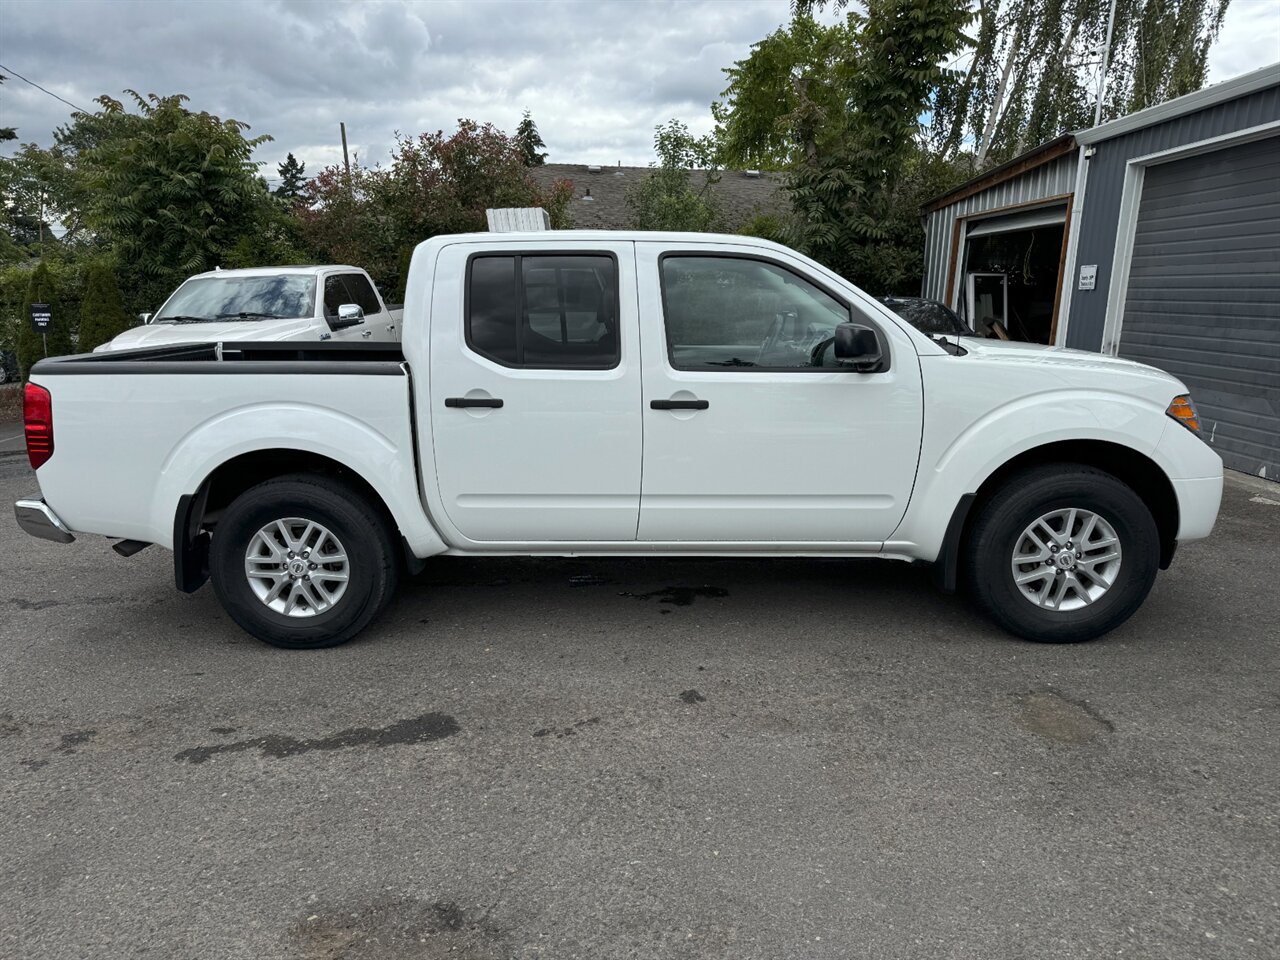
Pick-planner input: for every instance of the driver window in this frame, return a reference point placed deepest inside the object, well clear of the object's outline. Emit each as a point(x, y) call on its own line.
point(341, 288)
point(724, 313)
point(335, 295)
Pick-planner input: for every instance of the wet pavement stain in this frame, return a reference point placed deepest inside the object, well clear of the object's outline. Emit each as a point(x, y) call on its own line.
point(692, 696)
point(679, 596)
point(421, 729)
point(397, 930)
point(76, 738)
point(1049, 714)
point(562, 732)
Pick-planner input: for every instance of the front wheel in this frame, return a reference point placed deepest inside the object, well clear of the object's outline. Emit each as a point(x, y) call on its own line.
point(1062, 553)
point(302, 562)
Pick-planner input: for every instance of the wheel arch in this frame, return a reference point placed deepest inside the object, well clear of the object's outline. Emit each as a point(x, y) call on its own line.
point(198, 511)
point(1130, 466)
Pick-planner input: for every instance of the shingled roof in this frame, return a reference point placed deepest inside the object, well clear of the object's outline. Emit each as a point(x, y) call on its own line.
point(741, 197)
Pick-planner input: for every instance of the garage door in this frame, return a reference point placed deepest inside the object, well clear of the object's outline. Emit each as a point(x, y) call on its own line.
point(1204, 294)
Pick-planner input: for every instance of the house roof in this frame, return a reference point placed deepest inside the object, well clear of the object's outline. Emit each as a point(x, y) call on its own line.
point(741, 197)
point(1232, 89)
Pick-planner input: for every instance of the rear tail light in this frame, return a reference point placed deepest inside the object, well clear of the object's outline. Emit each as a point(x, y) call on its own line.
point(37, 416)
point(1184, 411)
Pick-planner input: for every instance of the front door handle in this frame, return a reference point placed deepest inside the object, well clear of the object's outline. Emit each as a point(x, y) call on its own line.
point(679, 404)
point(472, 402)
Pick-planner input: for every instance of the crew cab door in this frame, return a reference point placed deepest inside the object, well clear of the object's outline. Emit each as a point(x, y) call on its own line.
point(535, 391)
point(752, 431)
point(346, 287)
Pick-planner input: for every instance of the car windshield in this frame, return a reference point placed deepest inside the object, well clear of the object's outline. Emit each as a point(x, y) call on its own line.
point(927, 316)
point(283, 296)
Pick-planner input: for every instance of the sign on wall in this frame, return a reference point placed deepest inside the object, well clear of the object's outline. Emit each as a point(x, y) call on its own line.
point(1088, 276)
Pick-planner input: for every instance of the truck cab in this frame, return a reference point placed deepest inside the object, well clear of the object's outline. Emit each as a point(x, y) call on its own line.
point(329, 302)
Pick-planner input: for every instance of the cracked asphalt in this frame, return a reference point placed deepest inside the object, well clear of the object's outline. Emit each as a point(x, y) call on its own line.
point(639, 759)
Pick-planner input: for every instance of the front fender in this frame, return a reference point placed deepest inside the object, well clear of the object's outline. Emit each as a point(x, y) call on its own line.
point(380, 452)
point(958, 456)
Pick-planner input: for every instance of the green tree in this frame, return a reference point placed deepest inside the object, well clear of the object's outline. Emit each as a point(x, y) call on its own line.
point(402, 274)
point(846, 123)
point(170, 190)
point(435, 184)
point(102, 313)
point(670, 197)
point(803, 63)
point(1031, 73)
point(293, 180)
point(41, 288)
point(1030, 69)
point(530, 142)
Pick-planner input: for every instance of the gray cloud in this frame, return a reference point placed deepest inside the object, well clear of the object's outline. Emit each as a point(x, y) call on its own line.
point(596, 75)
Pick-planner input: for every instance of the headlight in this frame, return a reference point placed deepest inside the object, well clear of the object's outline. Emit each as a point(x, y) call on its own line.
point(1184, 411)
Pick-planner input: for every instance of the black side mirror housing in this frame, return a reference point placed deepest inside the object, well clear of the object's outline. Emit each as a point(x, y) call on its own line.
point(859, 346)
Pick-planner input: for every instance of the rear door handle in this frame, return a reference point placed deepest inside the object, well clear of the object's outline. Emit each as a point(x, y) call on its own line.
point(472, 402)
point(679, 404)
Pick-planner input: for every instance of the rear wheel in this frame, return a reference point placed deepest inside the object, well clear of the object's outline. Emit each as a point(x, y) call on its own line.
point(1062, 553)
point(303, 562)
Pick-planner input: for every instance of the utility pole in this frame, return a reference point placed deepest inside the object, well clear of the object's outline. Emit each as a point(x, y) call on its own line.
point(346, 161)
point(1106, 59)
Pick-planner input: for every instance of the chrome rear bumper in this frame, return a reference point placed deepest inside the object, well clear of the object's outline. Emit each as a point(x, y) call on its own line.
point(35, 517)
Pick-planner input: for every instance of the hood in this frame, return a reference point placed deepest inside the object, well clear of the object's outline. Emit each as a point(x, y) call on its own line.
point(1044, 365)
point(159, 334)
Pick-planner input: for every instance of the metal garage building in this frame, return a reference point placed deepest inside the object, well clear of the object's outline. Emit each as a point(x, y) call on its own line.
point(1168, 222)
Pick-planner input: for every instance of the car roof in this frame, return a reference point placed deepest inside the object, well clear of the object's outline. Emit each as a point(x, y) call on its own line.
point(309, 269)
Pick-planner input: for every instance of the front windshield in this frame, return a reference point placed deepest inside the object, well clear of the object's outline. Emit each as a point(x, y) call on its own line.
point(927, 316)
point(283, 296)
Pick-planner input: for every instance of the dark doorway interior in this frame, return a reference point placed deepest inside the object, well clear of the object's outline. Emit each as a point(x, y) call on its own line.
point(1028, 261)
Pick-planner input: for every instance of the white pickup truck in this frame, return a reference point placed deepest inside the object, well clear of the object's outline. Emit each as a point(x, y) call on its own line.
point(590, 393)
point(329, 302)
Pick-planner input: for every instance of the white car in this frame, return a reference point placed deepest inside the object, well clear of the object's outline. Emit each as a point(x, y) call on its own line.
point(330, 302)
point(590, 393)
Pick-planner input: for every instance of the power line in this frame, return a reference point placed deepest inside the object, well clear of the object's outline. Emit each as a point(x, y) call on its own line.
point(42, 89)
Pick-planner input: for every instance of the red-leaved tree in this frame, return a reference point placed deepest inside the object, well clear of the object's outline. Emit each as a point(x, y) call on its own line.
point(436, 184)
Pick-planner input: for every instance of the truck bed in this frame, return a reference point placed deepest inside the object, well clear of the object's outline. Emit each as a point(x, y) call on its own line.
point(151, 432)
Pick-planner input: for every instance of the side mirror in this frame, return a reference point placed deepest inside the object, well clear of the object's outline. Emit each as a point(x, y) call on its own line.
point(858, 346)
point(349, 314)
point(145, 318)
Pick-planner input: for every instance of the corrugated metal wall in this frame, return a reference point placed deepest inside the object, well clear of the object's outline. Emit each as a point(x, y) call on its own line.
point(1101, 207)
point(1052, 179)
point(1204, 294)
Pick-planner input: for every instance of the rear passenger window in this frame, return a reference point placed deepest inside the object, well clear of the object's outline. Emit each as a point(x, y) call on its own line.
point(558, 311)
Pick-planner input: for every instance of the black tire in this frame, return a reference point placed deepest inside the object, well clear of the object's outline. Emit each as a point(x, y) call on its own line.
point(365, 537)
point(998, 526)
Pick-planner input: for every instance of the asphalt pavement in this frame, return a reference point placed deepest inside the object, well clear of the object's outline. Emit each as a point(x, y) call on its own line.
point(639, 759)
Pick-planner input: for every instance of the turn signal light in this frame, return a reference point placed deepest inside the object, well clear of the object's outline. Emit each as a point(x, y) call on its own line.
point(37, 417)
point(1184, 411)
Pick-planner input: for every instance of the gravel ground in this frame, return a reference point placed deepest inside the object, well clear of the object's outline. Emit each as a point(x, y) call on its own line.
point(639, 758)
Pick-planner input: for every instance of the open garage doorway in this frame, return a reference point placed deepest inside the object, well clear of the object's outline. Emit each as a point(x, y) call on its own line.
point(1012, 278)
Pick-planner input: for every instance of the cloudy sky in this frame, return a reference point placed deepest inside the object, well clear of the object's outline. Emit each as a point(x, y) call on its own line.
point(597, 75)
